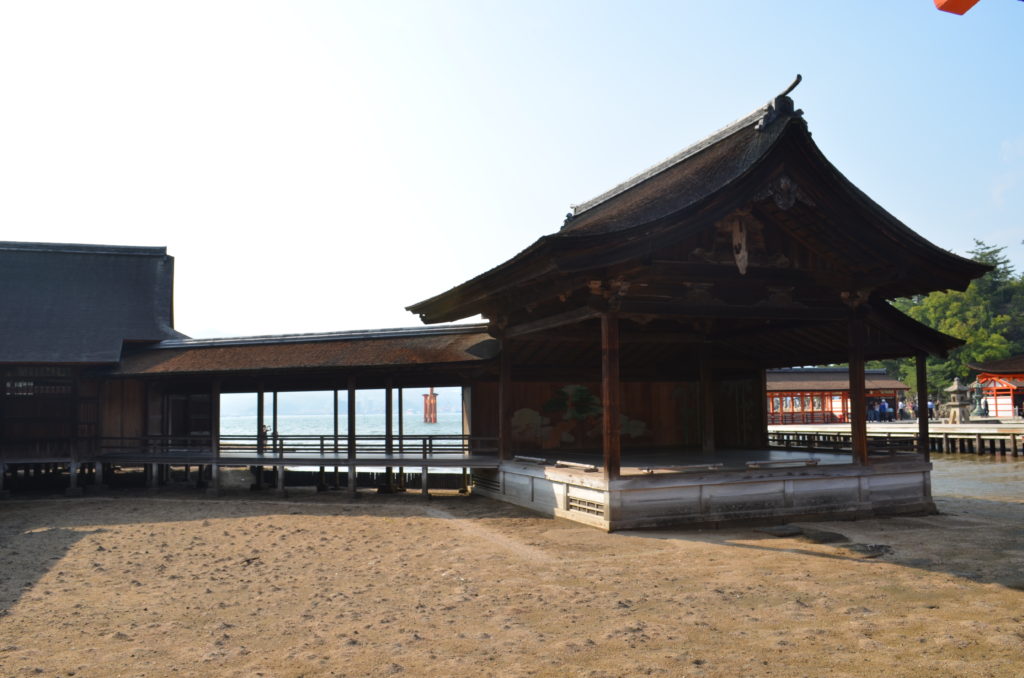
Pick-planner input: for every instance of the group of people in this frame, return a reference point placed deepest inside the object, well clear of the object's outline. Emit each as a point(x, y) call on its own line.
point(881, 410)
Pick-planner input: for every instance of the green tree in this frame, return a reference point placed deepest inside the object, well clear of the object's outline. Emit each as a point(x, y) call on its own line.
point(988, 316)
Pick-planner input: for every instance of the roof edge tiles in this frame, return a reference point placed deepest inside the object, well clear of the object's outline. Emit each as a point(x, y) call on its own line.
point(81, 248)
point(313, 337)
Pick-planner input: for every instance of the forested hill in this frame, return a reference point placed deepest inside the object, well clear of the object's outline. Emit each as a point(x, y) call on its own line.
point(989, 316)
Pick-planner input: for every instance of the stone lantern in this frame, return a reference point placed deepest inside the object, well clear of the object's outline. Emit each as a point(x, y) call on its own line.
point(959, 405)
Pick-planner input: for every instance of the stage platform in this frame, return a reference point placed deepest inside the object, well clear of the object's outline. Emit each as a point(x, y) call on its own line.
point(660, 488)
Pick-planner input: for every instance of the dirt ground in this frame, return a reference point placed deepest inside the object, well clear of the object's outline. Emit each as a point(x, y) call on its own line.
point(176, 584)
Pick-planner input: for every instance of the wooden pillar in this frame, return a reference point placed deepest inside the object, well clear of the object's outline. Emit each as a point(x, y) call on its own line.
point(610, 396)
point(261, 436)
point(921, 364)
point(858, 398)
point(425, 471)
point(763, 385)
point(505, 401)
point(707, 400)
point(273, 415)
point(401, 440)
point(214, 487)
point(280, 490)
point(389, 438)
point(337, 479)
point(352, 435)
point(74, 489)
point(389, 416)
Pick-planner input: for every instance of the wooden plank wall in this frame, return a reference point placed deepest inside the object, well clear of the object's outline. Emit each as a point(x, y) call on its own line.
point(123, 408)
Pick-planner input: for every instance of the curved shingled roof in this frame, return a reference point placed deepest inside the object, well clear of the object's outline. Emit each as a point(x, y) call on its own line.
point(1011, 365)
point(725, 166)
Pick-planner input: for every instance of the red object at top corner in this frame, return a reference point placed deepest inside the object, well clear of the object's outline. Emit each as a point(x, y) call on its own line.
point(955, 6)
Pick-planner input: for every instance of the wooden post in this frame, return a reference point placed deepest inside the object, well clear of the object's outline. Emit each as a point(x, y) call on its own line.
point(921, 365)
point(858, 398)
point(337, 475)
point(505, 401)
point(389, 439)
point(424, 477)
point(352, 436)
point(707, 400)
point(74, 489)
point(273, 414)
point(763, 409)
point(980, 445)
point(401, 440)
point(213, 488)
point(1013, 444)
point(610, 396)
point(261, 436)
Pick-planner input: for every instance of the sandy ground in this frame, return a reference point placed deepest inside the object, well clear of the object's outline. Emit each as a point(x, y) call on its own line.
point(175, 584)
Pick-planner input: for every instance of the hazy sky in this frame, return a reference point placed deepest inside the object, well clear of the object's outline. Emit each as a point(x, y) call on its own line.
point(317, 166)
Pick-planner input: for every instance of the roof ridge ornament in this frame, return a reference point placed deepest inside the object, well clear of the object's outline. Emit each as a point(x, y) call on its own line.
point(779, 107)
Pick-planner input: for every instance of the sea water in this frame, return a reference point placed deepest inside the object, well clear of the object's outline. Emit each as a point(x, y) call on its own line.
point(448, 423)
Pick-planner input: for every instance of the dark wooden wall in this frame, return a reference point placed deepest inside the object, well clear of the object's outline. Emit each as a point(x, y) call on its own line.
point(669, 413)
point(123, 407)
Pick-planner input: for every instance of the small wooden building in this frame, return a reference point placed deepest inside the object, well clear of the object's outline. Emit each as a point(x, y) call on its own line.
point(67, 311)
point(1002, 382)
point(636, 338)
point(821, 395)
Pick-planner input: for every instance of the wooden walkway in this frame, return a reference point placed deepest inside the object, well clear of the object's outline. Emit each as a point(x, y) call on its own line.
point(980, 438)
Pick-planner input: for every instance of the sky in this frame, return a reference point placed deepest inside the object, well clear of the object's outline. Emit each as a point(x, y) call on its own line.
point(319, 166)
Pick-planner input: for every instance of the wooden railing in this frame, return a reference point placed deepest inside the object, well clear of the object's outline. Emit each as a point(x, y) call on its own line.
point(997, 443)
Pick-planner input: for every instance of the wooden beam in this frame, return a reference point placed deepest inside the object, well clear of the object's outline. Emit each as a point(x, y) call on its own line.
point(505, 401)
point(610, 396)
point(675, 309)
point(696, 271)
point(571, 317)
point(585, 335)
point(922, 405)
point(858, 398)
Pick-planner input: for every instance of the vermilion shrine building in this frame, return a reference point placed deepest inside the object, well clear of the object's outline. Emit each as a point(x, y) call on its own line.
point(1002, 382)
point(821, 395)
point(621, 372)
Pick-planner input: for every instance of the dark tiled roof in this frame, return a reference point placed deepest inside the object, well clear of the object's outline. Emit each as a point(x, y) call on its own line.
point(67, 303)
point(829, 379)
point(341, 350)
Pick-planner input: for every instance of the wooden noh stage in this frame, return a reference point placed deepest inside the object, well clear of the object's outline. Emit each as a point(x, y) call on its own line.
point(630, 388)
point(620, 378)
